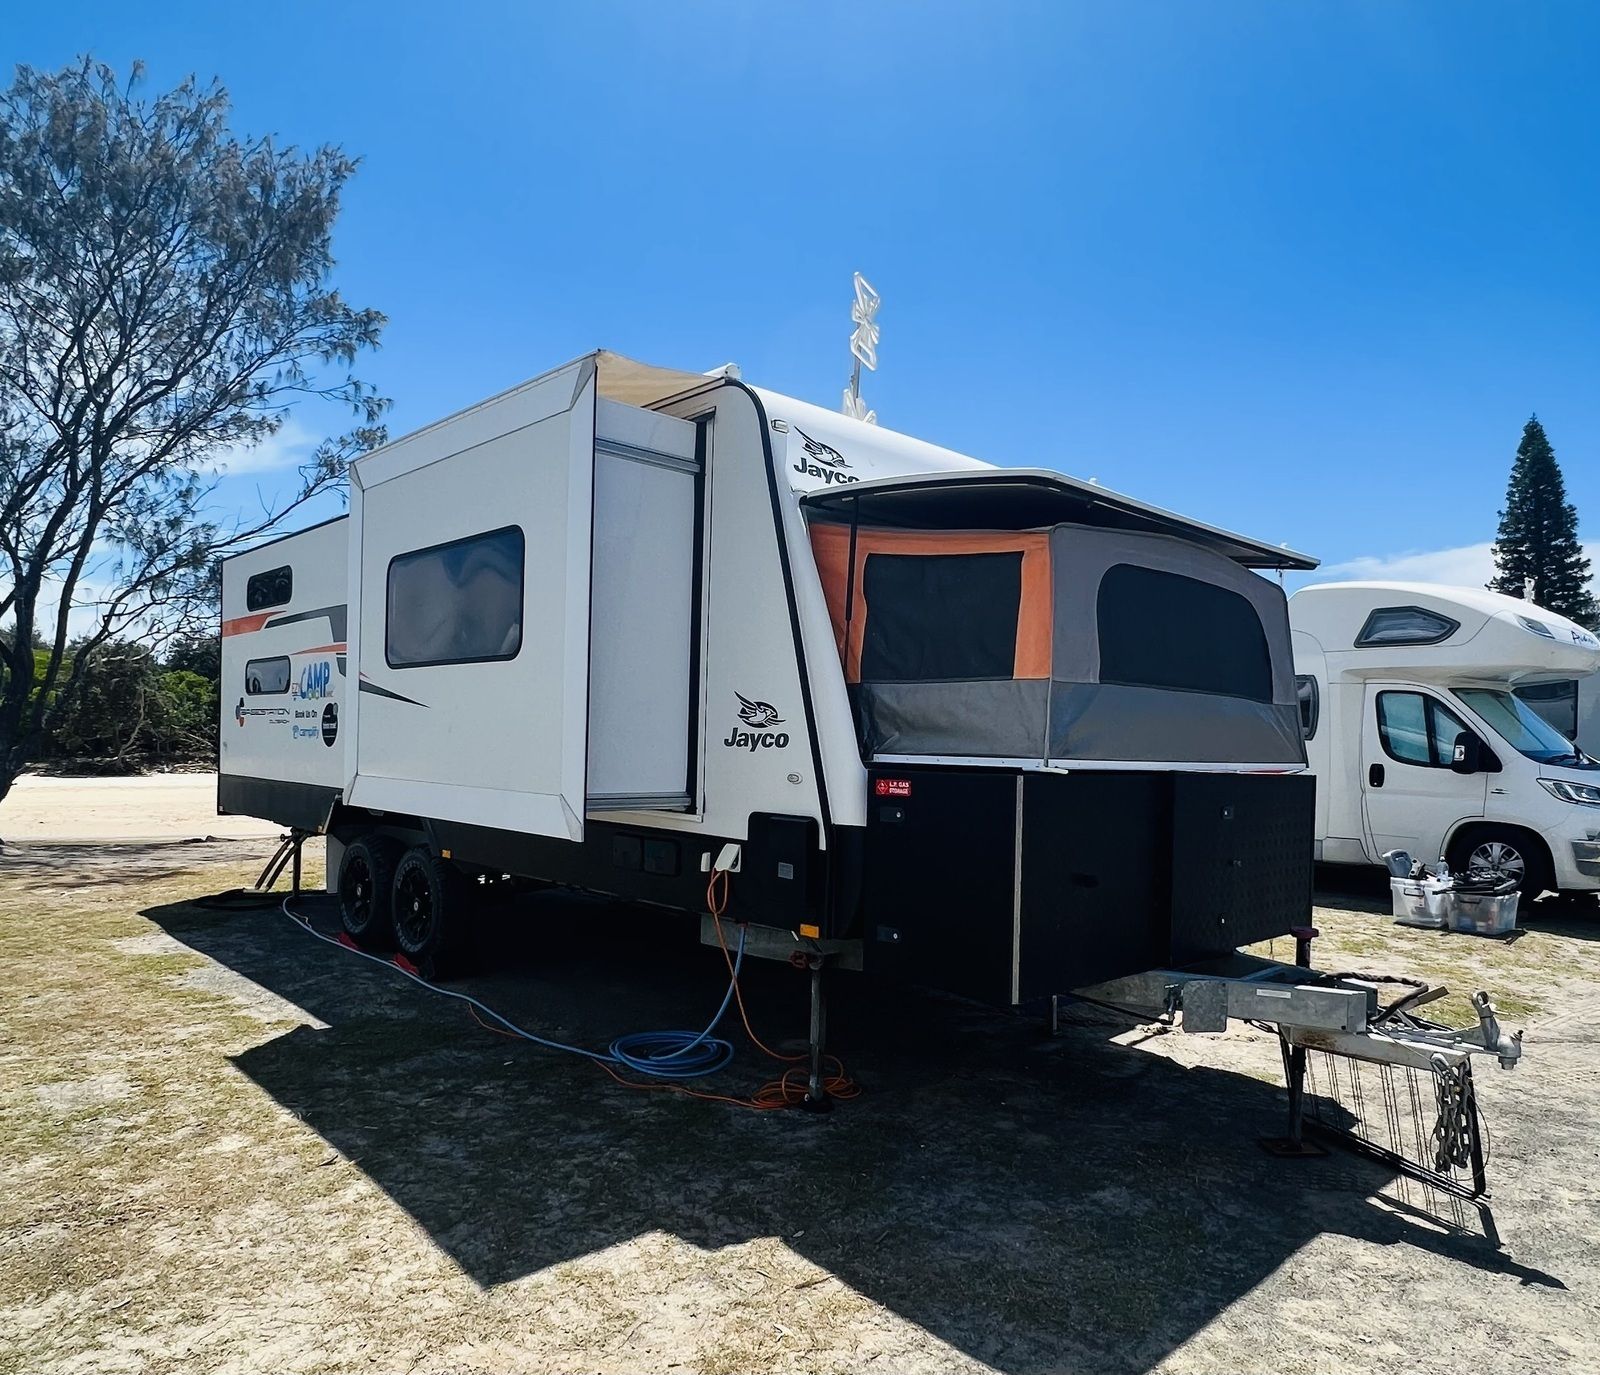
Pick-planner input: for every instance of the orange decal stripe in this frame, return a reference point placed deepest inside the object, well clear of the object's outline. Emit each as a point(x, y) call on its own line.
point(243, 625)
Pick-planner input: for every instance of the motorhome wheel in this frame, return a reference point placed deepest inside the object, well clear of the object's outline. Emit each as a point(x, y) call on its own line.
point(366, 882)
point(429, 907)
point(1489, 849)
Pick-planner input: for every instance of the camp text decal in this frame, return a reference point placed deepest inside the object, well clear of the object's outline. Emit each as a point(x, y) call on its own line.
point(822, 460)
point(761, 717)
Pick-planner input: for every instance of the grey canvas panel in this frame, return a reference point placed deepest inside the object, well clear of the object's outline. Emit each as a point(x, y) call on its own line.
point(1003, 719)
point(1080, 556)
point(1115, 722)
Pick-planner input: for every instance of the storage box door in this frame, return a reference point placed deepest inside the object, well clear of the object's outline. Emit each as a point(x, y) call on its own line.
point(474, 618)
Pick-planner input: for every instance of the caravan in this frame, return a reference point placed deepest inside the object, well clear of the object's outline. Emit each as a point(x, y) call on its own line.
point(677, 639)
point(1420, 742)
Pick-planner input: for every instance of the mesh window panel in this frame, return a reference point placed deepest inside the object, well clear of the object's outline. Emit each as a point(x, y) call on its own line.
point(1165, 630)
point(940, 617)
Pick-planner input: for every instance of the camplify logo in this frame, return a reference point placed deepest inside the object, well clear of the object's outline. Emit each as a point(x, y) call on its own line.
point(822, 460)
point(761, 717)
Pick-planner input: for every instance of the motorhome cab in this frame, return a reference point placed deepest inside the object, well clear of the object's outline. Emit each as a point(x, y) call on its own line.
point(1414, 728)
point(1003, 732)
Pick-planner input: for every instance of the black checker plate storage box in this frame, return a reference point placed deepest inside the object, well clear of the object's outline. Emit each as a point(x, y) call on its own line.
point(1121, 871)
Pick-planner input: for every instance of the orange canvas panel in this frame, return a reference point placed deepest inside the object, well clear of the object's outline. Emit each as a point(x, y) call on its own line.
point(831, 546)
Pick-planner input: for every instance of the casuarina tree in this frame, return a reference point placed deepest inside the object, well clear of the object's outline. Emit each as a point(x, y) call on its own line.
point(1538, 536)
point(165, 297)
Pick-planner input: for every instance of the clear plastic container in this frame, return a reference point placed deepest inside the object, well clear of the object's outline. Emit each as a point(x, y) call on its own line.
point(1481, 914)
point(1421, 901)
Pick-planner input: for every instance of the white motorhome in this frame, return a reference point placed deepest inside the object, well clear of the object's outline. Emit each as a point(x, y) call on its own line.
point(670, 637)
point(1420, 742)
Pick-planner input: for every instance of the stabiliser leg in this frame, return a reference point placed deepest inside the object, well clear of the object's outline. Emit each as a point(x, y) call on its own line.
point(1294, 1145)
point(817, 1099)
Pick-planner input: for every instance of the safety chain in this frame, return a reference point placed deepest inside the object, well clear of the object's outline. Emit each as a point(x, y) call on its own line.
point(1452, 1133)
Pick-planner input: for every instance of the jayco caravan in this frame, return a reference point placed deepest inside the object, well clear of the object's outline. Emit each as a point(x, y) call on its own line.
point(671, 637)
point(1413, 726)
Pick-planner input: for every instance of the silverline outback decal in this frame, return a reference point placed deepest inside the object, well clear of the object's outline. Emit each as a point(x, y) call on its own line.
point(760, 717)
point(822, 460)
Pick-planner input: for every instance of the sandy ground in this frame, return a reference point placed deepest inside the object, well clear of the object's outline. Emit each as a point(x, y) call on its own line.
point(162, 806)
point(225, 1146)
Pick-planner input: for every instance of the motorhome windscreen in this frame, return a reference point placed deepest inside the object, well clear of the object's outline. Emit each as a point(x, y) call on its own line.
point(934, 617)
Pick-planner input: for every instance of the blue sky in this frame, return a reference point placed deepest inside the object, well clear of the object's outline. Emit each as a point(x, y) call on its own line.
point(1303, 270)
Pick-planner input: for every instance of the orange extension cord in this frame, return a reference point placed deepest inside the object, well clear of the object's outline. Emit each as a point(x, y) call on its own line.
point(786, 1091)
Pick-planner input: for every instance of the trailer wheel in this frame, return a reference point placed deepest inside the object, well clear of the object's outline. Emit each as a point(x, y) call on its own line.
point(430, 901)
point(366, 887)
point(1503, 850)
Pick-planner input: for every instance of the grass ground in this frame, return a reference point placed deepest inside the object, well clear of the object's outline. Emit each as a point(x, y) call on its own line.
point(224, 1146)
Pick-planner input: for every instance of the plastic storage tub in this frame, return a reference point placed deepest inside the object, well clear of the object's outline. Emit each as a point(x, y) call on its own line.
point(1421, 901)
point(1482, 914)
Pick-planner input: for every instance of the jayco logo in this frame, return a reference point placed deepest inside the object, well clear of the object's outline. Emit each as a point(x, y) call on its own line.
point(822, 460)
point(315, 680)
point(761, 717)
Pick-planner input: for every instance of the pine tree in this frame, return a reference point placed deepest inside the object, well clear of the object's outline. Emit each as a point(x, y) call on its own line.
point(1538, 535)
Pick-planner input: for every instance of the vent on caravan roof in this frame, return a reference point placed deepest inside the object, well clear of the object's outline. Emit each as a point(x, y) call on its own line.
point(1405, 625)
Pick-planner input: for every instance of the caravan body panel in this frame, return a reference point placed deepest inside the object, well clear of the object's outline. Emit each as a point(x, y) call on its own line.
point(470, 556)
point(285, 677)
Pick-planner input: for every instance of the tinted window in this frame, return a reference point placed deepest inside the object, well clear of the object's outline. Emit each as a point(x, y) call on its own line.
point(1405, 625)
point(1416, 729)
point(940, 616)
point(263, 677)
point(274, 587)
point(456, 603)
point(1305, 689)
point(1168, 631)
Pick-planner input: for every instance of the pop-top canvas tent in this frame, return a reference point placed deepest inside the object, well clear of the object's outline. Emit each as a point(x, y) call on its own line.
point(1075, 642)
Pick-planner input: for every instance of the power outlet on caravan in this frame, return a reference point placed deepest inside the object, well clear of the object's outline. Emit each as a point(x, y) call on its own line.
point(727, 861)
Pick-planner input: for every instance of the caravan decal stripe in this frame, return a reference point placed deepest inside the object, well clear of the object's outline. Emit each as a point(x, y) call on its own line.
point(243, 625)
point(393, 696)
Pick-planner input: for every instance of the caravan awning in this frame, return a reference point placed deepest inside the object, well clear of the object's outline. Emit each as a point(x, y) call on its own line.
point(1026, 499)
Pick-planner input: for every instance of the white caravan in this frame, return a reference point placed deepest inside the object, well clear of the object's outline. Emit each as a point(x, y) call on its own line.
point(1420, 742)
point(671, 637)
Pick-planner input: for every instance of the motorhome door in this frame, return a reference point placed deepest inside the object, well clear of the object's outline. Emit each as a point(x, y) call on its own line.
point(1411, 798)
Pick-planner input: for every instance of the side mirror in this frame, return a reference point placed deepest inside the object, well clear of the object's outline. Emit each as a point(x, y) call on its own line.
point(1467, 757)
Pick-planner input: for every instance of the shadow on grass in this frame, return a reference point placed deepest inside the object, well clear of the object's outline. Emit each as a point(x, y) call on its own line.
point(1040, 1203)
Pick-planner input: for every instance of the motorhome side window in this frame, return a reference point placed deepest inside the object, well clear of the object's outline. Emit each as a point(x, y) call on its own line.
point(1417, 729)
point(1405, 625)
point(456, 603)
point(1305, 689)
point(265, 677)
point(1164, 630)
point(274, 587)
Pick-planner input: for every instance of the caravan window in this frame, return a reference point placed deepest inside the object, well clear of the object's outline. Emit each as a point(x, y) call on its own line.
point(266, 677)
point(1167, 631)
point(1305, 689)
point(1405, 625)
point(456, 603)
point(274, 587)
point(940, 617)
point(1416, 729)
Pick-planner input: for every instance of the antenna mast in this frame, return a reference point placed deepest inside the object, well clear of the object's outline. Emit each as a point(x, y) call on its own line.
point(863, 347)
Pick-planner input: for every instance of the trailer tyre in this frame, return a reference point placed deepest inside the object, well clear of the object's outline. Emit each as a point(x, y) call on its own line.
point(366, 888)
point(430, 902)
point(1504, 850)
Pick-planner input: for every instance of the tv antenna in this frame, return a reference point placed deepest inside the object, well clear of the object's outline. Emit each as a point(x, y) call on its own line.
point(863, 347)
